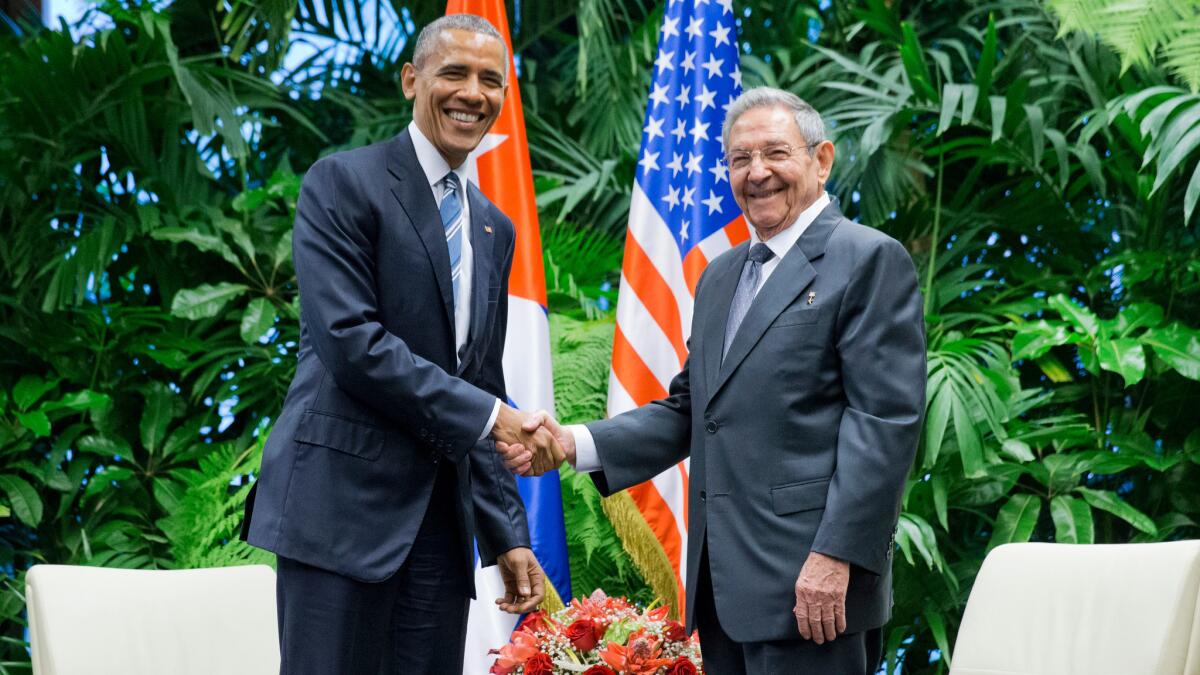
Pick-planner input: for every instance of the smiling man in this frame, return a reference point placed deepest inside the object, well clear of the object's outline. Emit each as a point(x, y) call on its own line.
point(381, 469)
point(799, 404)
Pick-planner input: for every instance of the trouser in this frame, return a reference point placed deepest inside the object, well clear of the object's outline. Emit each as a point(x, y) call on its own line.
point(414, 622)
point(849, 654)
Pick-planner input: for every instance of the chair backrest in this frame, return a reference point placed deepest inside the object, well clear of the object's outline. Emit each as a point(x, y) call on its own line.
point(99, 621)
point(1062, 609)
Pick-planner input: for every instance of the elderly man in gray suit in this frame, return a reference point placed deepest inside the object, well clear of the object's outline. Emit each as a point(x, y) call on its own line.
point(800, 406)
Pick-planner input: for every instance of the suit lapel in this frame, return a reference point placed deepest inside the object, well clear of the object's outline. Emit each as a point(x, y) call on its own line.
point(723, 287)
point(416, 199)
point(794, 274)
point(482, 238)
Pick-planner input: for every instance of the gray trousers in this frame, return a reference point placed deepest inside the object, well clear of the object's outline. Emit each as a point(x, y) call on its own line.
point(849, 654)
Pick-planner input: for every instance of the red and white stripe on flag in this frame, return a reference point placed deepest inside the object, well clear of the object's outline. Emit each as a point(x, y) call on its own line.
point(682, 215)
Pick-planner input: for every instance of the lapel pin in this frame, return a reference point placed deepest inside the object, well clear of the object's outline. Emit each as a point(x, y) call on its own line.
point(812, 295)
point(487, 228)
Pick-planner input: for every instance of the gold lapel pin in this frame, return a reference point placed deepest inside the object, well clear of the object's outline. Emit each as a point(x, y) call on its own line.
point(812, 295)
point(487, 228)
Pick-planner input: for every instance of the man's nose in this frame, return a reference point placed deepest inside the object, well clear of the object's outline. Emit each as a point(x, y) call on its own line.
point(759, 170)
point(472, 90)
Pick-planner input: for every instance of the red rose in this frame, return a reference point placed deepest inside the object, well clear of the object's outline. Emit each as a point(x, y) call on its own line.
point(537, 622)
point(681, 666)
point(675, 632)
point(600, 670)
point(540, 664)
point(582, 635)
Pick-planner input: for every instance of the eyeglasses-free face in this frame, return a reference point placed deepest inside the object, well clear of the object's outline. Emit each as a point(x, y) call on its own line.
point(457, 93)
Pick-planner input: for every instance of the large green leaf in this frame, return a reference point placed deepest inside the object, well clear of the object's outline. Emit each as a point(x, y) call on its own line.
point(1032, 340)
point(30, 388)
point(283, 250)
point(1081, 318)
point(23, 499)
point(105, 446)
point(984, 74)
point(936, 420)
point(35, 421)
point(1138, 315)
point(915, 533)
point(160, 409)
point(1072, 520)
point(85, 399)
point(205, 300)
point(937, 625)
point(1016, 520)
point(1123, 356)
point(205, 242)
point(1110, 502)
point(1179, 346)
point(913, 57)
point(257, 319)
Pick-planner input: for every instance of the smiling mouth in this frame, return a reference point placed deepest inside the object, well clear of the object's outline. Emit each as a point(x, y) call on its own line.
point(764, 194)
point(464, 117)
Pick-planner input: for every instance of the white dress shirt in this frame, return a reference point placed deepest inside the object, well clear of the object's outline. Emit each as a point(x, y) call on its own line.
point(586, 457)
point(436, 168)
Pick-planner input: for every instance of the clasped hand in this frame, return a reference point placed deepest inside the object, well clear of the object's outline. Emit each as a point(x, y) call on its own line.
point(523, 459)
point(529, 437)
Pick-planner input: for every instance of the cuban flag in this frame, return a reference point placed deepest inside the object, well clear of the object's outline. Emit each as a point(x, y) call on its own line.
point(500, 167)
point(682, 215)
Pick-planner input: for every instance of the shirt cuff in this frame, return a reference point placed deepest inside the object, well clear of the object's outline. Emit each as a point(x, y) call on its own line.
point(586, 457)
point(491, 421)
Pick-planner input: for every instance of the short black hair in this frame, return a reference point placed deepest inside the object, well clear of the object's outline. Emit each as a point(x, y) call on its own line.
point(468, 22)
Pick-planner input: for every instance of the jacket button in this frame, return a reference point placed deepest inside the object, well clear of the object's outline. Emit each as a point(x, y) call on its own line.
point(711, 427)
point(703, 495)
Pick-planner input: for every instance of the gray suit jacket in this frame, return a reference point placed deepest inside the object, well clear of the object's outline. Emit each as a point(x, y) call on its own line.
point(378, 401)
point(802, 438)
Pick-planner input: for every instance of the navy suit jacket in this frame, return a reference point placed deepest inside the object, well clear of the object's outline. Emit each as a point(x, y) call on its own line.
point(378, 401)
point(802, 437)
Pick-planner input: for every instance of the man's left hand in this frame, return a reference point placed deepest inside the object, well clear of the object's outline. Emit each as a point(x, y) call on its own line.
point(821, 597)
point(524, 581)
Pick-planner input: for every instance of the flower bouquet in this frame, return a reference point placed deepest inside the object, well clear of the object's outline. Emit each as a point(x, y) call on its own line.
point(599, 635)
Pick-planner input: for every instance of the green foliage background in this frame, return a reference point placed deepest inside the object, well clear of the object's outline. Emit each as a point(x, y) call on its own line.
point(1044, 180)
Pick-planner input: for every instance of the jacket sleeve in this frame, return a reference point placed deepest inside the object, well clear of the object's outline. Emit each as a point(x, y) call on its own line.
point(335, 261)
point(637, 445)
point(881, 344)
point(500, 520)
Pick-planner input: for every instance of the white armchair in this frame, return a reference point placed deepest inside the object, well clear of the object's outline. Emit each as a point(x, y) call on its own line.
point(1063, 609)
point(99, 621)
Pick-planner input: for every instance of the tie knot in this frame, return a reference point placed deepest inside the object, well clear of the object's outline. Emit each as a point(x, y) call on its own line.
point(451, 181)
point(761, 253)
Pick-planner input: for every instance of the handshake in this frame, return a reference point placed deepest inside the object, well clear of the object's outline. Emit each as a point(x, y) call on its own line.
point(531, 443)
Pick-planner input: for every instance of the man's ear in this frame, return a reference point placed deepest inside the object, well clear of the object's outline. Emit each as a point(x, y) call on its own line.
point(408, 80)
point(825, 152)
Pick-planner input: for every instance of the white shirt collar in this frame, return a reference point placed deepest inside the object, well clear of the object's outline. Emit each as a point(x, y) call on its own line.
point(431, 161)
point(783, 242)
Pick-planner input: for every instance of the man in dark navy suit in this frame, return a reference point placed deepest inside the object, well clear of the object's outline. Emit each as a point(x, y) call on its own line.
point(381, 469)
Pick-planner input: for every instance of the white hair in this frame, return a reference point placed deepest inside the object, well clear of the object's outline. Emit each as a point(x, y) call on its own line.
point(808, 120)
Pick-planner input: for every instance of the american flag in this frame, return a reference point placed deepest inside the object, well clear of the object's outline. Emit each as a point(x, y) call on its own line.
point(682, 215)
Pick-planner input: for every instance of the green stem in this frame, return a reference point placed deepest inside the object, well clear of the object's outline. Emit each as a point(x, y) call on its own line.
point(933, 240)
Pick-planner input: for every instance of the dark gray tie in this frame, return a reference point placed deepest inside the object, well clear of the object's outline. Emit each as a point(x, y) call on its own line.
point(744, 295)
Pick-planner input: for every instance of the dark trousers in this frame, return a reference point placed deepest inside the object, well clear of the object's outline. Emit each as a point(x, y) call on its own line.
point(414, 622)
point(853, 654)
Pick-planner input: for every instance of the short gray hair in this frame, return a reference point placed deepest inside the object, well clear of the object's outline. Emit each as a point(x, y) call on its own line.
point(808, 120)
point(466, 22)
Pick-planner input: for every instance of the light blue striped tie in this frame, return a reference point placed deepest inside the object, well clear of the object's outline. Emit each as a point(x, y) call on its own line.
point(453, 221)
